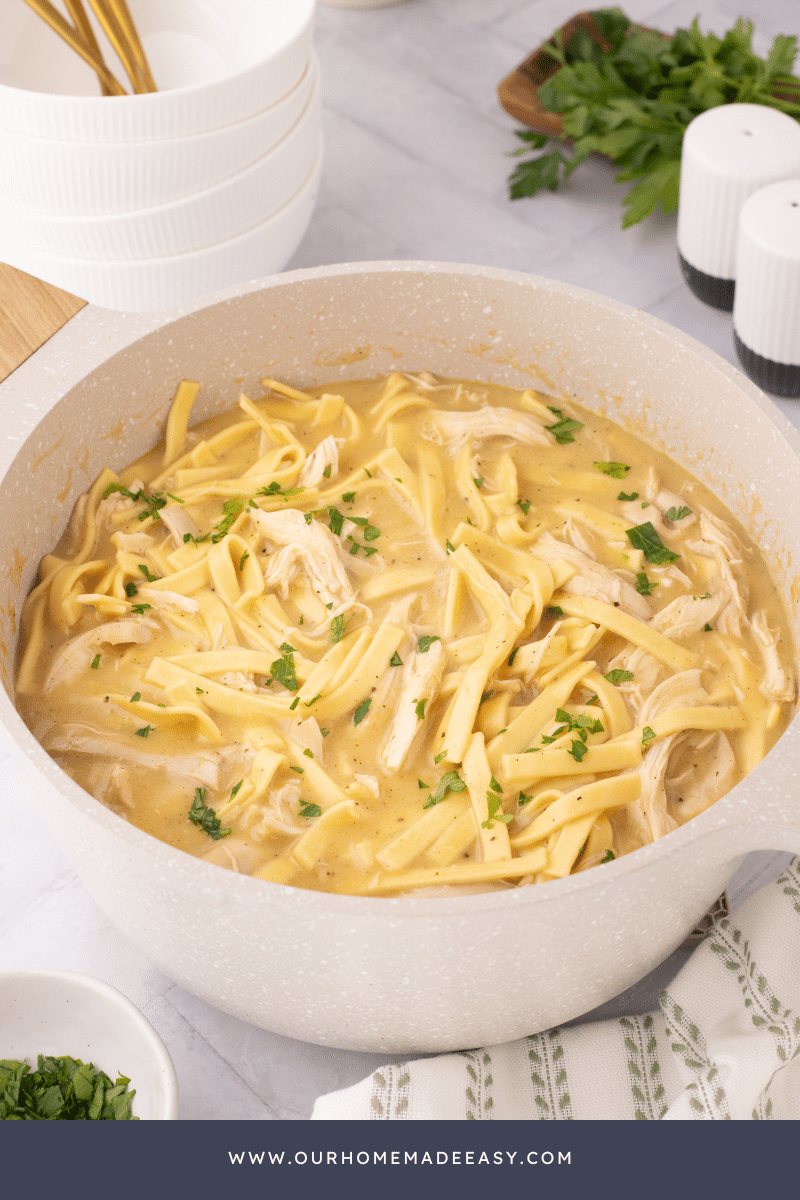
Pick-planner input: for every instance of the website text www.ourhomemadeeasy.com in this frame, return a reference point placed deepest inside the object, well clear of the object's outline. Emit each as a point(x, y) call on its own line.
point(398, 1158)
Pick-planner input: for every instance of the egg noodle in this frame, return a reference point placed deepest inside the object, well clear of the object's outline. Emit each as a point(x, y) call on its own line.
point(404, 634)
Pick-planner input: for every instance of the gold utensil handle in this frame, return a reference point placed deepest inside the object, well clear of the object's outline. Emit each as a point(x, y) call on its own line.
point(125, 21)
point(81, 21)
point(113, 30)
point(53, 17)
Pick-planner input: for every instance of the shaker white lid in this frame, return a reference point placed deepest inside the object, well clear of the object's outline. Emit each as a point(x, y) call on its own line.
point(729, 152)
point(766, 311)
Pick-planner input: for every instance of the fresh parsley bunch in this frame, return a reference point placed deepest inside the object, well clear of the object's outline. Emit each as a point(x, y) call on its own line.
point(633, 102)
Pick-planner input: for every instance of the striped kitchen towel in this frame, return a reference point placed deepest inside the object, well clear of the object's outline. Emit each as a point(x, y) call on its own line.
point(724, 1045)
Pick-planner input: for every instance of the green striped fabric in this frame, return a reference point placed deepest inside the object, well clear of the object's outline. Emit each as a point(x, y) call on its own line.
point(724, 1045)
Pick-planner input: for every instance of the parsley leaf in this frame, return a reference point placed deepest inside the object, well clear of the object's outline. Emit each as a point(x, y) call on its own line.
point(275, 489)
point(618, 676)
point(564, 428)
point(644, 586)
point(647, 735)
point(150, 578)
point(426, 641)
point(204, 817)
point(493, 803)
point(644, 538)
point(419, 709)
point(577, 750)
point(524, 505)
point(395, 660)
point(624, 496)
point(282, 669)
point(338, 629)
point(95, 663)
point(617, 470)
point(309, 810)
point(361, 711)
point(554, 611)
point(450, 782)
point(348, 497)
point(143, 732)
point(513, 655)
point(608, 857)
point(678, 514)
point(478, 482)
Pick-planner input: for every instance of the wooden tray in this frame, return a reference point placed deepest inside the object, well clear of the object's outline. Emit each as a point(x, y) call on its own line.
point(518, 93)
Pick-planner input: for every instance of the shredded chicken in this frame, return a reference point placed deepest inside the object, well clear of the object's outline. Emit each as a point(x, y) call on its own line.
point(592, 578)
point(79, 651)
point(719, 542)
point(777, 684)
point(310, 548)
point(689, 614)
point(454, 429)
point(422, 674)
point(178, 522)
point(324, 456)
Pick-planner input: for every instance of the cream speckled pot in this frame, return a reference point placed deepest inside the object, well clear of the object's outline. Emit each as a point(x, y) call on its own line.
point(396, 974)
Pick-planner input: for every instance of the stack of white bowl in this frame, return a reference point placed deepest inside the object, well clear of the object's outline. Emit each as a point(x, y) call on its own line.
point(148, 201)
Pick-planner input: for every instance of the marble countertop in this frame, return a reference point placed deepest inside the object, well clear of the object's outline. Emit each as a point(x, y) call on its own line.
point(415, 167)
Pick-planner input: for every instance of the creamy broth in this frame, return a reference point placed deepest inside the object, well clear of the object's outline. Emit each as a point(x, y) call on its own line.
point(404, 633)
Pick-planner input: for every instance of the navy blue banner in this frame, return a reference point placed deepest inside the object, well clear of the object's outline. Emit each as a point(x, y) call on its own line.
point(396, 1159)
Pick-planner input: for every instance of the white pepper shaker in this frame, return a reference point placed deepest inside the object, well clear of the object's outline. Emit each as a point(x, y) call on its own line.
point(728, 153)
point(766, 313)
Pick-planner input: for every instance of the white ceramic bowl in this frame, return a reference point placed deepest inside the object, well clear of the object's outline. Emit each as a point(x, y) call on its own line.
point(63, 1014)
point(141, 285)
point(216, 62)
point(203, 219)
point(47, 177)
point(413, 973)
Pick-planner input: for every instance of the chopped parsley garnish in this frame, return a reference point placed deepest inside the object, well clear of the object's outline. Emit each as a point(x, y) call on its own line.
point(632, 496)
point(618, 676)
point(136, 697)
point(449, 546)
point(327, 471)
point(294, 704)
point(367, 473)
point(338, 629)
point(647, 735)
point(440, 757)
point(230, 511)
point(204, 817)
point(422, 785)
point(609, 856)
point(130, 589)
point(707, 628)
point(451, 782)
point(494, 785)
point(644, 538)
point(299, 770)
point(677, 514)
point(426, 641)
point(525, 504)
point(707, 596)
point(95, 663)
point(143, 732)
point(308, 753)
point(336, 521)
point(348, 497)
point(370, 532)
point(478, 483)
point(644, 586)
point(153, 503)
point(554, 611)
point(236, 787)
point(309, 810)
point(395, 660)
point(564, 427)
point(419, 709)
point(493, 803)
point(513, 655)
point(577, 750)
point(243, 560)
point(62, 1089)
point(616, 470)
point(313, 700)
point(486, 696)
point(275, 489)
point(140, 609)
point(356, 546)
point(283, 669)
point(150, 578)
point(522, 799)
point(324, 732)
point(361, 711)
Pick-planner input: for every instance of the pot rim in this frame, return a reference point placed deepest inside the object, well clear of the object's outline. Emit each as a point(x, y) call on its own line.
point(85, 353)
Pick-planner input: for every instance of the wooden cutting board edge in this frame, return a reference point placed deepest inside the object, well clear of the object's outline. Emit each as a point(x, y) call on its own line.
point(31, 311)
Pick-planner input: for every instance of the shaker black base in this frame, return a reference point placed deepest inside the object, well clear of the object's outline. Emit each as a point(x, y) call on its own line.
point(708, 288)
point(781, 379)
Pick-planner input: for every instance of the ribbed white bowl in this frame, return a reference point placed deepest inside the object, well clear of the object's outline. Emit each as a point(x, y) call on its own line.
point(55, 178)
point(216, 62)
point(146, 284)
point(203, 219)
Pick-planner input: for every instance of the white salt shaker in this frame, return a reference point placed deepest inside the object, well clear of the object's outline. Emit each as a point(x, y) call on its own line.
point(728, 153)
point(766, 313)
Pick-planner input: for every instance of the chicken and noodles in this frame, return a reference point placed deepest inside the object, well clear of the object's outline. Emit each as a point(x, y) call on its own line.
point(403, 634)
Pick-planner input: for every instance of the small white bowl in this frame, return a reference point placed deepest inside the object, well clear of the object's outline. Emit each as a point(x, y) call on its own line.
point(217, 61)
point(202, 219)
point(45, 176)
point(62, 1013)
point(143, 285)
